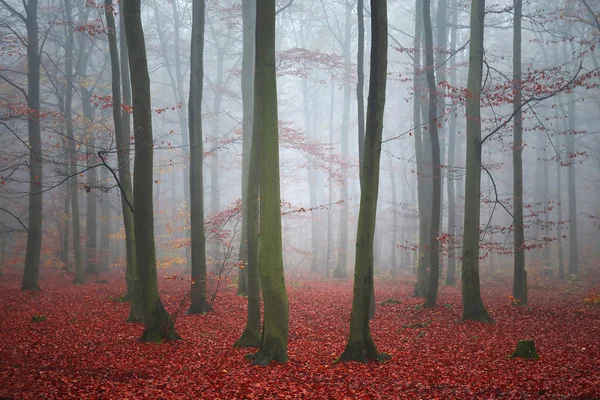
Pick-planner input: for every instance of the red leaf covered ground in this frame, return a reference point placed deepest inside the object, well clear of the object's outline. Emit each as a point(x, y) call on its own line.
point(86, 350)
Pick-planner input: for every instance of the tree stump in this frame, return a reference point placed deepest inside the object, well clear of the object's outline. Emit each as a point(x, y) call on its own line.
point(525, 349)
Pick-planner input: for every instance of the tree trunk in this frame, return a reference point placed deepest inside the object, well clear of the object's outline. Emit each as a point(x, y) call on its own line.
point(274, 339)
point(122, 121)
point(436, 198)
point(249, 20)
point(340, 270)
point(559, 189)
point(157, 322)
point(451, 272)
point(360, 69)
point(91, 224)
point(360, 346)
point(198, 295)
point(103, 262)
point(473, 308)
point(34, 225)
point(573, 267)
point(420, 289)
point(124, 162)
point(79, 267)
point(520, 275)
point(251, 336)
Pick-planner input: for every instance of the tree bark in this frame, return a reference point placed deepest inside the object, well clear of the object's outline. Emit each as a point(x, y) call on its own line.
point(360, 346)
point(198, 295)
point(249, 20)
point(420, 289)
point(473, 308)
point(340, 271)
point(520, 275)
point(274, 338)
point(157, 322)
point(451, 272)
point(436, 199)
point(34, 225)
point(124, 162)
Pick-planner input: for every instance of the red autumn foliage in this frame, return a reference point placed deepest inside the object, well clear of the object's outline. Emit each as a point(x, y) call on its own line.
point(84, 349)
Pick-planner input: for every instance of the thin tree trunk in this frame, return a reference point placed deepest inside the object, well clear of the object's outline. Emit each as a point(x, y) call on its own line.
point(473, 308)
point(124, 162)
point(157, 322)
point(274, 338)
point(340, 270)
point(103, 262)
point(360, 346)
point(520, 275)
point(436, 199)
point(451, 273)
point(420, 289)
point(34, 225)
point(79, 267)
point(91, 224)
point(251, 336)
point(249, 20)
point(573, 267)
point(198, 296)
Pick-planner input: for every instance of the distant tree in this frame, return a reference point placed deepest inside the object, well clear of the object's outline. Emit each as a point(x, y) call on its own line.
point(360, 346)
point(250, 189)
point(157, 322)
point(199, 304)
point(274, 340)
point(473, 308)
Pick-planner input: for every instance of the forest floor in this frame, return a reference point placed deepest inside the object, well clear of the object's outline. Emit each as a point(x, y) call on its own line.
point(85, 349)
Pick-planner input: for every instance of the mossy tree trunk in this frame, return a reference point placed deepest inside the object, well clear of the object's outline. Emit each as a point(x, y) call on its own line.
point(157, 322)
point(436, 179)
point(34, 225)
point(198, 294)
point(273, 346)
point(251, 335)
point(473, 308)
point(360, 346)
point(520, 275)
point(249, 20)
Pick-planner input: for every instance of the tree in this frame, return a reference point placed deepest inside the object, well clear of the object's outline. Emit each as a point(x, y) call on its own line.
point(451, 272)
point(340, 270)
point(420, 159)
point(250, 189)
point(124, 145)
point(121, 122)
point(198, 295)
point(249, 19)
point(520, 275)
point(273, 346)
point(473, 308)
point(436, 179)
point(157, 322)
point(34, 226)
point(360, 346)
point(71, 143)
